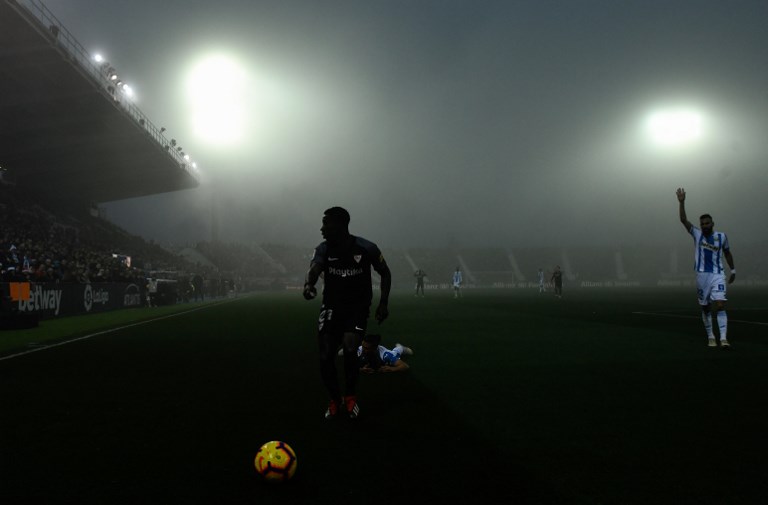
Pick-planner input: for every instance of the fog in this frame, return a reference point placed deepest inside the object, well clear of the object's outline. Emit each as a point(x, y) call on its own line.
point(438, 122)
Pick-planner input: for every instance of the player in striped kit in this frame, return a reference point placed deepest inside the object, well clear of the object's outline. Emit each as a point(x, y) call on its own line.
point(457, 280)
point(711, 247)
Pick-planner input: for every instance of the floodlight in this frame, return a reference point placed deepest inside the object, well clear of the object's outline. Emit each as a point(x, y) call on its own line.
point(674, 127)
point(216, 88)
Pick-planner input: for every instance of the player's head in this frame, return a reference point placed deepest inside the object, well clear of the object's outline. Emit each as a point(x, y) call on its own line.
point(706, 224)
point(371, 343)
point(335, 224)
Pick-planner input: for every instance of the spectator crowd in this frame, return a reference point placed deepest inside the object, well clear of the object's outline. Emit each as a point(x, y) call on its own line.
point(65, 243)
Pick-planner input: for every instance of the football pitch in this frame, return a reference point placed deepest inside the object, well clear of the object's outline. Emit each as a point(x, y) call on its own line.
point(606, 396)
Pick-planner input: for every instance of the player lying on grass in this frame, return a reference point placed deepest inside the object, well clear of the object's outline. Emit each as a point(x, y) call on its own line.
point(374, 357)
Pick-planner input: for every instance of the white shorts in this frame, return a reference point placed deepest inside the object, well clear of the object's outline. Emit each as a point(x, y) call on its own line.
point(710, 287)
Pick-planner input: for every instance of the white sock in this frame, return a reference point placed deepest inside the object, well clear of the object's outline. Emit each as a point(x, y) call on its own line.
point(706, 317)
point(722, 324)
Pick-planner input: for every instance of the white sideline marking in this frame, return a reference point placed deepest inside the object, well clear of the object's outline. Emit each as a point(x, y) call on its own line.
point(44, 347)
point(662, 314)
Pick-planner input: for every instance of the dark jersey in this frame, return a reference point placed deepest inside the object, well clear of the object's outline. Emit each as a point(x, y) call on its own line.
point(347, 270)
point(374, 361)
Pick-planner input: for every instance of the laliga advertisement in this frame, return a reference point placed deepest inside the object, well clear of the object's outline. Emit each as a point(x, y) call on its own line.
point(51, 300)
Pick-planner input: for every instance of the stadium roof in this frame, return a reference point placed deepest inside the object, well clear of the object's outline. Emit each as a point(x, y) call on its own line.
point(65, 127)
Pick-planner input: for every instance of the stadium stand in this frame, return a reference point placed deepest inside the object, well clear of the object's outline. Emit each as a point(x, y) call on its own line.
point(488, 266)
point(402, 270)
point(65, 120)
point(647, 262)
point(294, 260)
point(529, 260)
point(589, 263)
point(439, 264)
point(66, 123)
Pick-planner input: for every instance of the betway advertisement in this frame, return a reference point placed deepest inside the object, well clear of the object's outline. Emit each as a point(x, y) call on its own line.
point(56, 300)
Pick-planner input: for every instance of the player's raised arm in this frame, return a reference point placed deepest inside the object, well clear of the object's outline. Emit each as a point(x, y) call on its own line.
point(683, 216)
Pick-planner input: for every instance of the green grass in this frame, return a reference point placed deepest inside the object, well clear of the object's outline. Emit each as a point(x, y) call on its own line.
point(52, 331)
point(512, 397)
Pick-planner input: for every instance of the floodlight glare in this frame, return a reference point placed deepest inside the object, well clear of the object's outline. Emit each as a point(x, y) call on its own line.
point(216, 91)
point(98, 58)
point(674, 127)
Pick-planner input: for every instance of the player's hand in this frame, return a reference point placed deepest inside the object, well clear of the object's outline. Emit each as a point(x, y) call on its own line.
point(367, 370)
point(382, 312)
point(680, 195)
point(309, 292)
point(732, 278)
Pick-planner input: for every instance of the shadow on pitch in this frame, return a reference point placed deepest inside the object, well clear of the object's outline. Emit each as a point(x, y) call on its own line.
point(408, 445)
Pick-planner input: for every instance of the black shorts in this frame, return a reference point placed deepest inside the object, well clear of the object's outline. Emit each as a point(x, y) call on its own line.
point(343, 319)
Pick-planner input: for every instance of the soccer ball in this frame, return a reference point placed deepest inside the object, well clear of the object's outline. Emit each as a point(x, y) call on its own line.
point(275, 461)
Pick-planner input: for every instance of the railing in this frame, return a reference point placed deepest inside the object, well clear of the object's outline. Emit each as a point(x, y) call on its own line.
point(100, 73)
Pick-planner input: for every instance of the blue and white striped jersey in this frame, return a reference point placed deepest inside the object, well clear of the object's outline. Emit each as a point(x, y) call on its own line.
point(709, 250)
point(383, 356)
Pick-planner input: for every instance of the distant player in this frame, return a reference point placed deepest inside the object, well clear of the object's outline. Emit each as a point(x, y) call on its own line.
point(375, 358)
point(457, 280)
point(420, 274)
point(557, 281)
point(541, 280)
point(345, 262)
point(710, 248)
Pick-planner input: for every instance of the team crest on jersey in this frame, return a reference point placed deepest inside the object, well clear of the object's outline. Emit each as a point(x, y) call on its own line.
point(358, 257)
